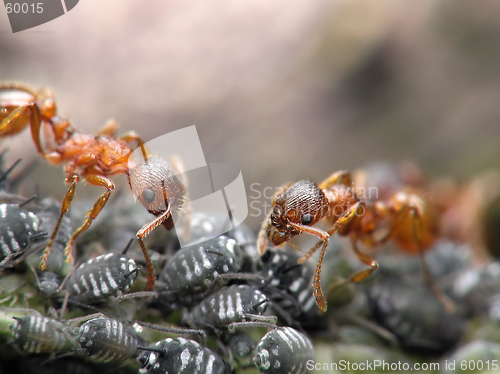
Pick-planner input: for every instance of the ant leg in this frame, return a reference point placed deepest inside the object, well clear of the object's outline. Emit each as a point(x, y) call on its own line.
point(131, 136)
point(340, 225)
point(68, 198)
point(11, 124)
point(340, 177)
point(109, 129)
point(262, 238)
point(141, 235)
point(417, 232)
point(358, 276)
point(95, 180)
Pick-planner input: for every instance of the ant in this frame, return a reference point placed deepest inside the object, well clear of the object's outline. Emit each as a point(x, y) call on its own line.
point(409, 219)
point(94, 158)
point(161, 188)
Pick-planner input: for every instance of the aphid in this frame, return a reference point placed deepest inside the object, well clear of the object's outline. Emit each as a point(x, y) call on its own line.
point(180, 355)
point(407, 309)
point(92, 157)
point(288, 284)
point(238, 303)
point(101, 277)
point(18, 227)
point(38, 334)
point(410, 221)
point(48, 283)
point(105, 340)
point(283, 350)
point(204, 225)
point(47, 210)
point(195, 269)
point(240, 343)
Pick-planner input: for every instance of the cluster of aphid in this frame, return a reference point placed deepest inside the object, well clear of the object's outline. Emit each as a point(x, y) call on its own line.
point(218, 296)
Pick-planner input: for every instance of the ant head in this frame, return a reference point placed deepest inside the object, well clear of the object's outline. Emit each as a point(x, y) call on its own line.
point(304, 203)
point(156, 186)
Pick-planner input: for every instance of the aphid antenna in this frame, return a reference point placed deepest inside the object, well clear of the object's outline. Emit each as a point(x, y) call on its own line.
point(135, 295)
point(290, 268)
point(255, 306)
point(237, 325)
point(175, 330)
point(9, 170)
point(53, 358)
point(127, 247)
point(22, 175)
point(85, 306)
point(32, 198)
point(38, 235)
point(243, 276)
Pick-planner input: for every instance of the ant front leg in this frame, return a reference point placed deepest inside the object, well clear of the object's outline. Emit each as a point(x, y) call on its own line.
point(325, 238)
point(68, 198)
point(341, 224)
point(262, 238)
point(95, 180)
point(142, 234)
point(340, 177)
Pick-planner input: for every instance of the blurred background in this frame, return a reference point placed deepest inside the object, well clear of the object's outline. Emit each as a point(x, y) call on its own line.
point(286, 90)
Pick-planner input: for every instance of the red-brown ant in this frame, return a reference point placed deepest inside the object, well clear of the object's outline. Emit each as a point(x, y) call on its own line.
point(409, 219)
point(92, 157)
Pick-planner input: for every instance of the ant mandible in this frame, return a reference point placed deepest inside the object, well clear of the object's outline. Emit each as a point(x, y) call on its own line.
point(92, 157)
point(410, 221)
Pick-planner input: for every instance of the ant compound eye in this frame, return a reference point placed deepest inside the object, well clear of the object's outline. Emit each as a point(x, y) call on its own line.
point(307, 219)
point(149, 195)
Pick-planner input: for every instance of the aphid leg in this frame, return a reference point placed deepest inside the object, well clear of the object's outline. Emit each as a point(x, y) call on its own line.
point(99, 181)
point(68, 198)
point(340, 177)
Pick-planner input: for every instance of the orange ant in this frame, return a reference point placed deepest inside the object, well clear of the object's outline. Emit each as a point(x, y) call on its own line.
point(162, 191)
point(92, 157)
point(410, 221)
